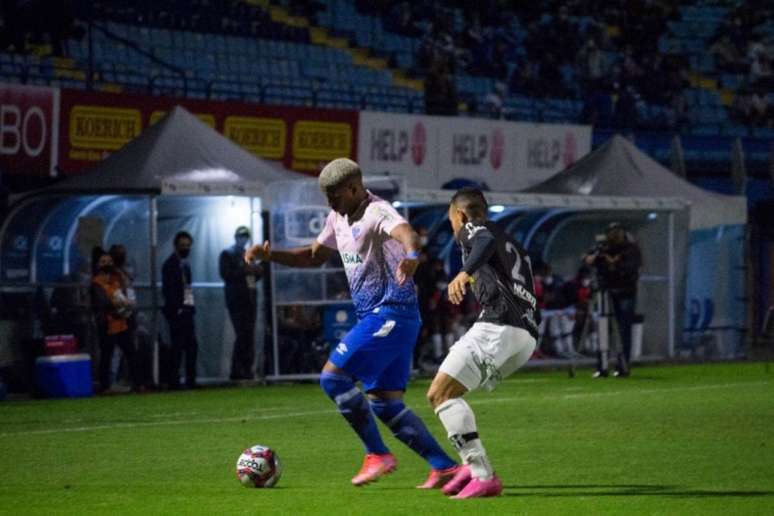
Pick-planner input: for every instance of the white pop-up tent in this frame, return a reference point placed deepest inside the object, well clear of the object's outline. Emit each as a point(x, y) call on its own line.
point(715, 308)
point(179, 174)
point(618, 168)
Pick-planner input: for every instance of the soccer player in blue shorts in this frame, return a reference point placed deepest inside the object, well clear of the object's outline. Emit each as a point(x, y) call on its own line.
point(379, 251)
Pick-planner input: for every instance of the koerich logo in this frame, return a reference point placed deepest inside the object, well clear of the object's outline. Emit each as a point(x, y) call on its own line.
point(418, 143)
point(497, 152)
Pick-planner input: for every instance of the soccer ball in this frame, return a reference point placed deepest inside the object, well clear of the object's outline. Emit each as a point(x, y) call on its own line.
point(258, 466)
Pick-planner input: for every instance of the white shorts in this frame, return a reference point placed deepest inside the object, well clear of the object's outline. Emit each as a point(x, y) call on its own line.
point(486, 354)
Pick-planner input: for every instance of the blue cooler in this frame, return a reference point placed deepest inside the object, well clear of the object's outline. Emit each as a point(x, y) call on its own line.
point(64, 376)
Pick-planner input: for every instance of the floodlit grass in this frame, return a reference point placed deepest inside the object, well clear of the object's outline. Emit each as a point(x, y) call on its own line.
point(668, 440)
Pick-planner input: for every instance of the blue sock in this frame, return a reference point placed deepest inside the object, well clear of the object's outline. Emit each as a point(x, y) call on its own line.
point(354, 407)
point(409, 429)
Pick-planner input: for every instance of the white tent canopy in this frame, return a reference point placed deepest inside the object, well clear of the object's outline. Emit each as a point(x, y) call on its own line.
point(179, 155)
point(619, 169)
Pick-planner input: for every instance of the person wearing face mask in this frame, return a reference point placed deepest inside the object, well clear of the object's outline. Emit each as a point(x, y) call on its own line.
point(111, 311)
point(239, 281)
point(179, 310)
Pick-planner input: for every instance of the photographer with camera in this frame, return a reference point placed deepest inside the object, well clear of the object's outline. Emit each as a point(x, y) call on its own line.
point(617, 261)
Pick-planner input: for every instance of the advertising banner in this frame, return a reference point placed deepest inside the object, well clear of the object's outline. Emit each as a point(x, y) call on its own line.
point(28, 130)
point(94, 124)
point(429, 151)
point(404, 145)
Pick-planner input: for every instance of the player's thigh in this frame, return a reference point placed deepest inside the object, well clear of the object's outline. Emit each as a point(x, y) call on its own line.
point(486, 354)
point(515, 349)
point(373, 345)
point(395, 375)
point(464, 362)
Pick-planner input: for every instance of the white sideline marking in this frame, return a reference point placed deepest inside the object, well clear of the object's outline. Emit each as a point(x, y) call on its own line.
point(237, 419)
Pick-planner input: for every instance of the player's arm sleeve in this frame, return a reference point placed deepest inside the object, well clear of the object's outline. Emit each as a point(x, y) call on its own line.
point(327, 236)
point(387, 218)
point(482, 247)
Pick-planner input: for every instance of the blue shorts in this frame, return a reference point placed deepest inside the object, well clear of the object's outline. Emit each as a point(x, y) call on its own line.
point(378, 350)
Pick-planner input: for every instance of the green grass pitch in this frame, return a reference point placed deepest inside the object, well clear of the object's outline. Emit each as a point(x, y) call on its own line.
point(669, 440)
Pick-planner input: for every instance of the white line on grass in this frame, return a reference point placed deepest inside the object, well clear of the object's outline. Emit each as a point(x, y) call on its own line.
point(239, 419)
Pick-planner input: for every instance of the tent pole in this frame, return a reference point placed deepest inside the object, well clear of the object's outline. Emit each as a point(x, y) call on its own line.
point(671, 286)
point(153, 234)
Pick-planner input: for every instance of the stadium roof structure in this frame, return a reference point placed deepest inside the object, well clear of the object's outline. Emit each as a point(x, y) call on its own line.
point(178, 155)
point(618, 169)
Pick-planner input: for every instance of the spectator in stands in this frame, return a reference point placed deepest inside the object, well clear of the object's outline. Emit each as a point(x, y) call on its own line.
point(727, 56)
point(626, 116)
point(179, 310)
point(741, 107)
point(760, 67)
point(239, 281)
point(760, 109)
point(112, 310)
point(678, 113)
point(524, 79)
point(37, 22)
point(593, 64)
point(550, 77)
point(492, 104)
point(401, 21)
point(440, 90)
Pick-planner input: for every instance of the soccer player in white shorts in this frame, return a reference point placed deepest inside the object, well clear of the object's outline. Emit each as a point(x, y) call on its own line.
point(500, 342)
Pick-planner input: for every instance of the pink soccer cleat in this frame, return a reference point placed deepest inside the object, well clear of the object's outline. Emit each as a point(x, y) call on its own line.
point(478, 488)
point(375, 466)
point(439, 477)
point(460, 480)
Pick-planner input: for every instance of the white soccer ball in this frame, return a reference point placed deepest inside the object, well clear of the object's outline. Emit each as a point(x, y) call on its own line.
point(258, 466)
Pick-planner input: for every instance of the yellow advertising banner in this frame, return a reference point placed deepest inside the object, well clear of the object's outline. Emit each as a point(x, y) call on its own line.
point(321, 141)
point(103, 128)
point(264, 137)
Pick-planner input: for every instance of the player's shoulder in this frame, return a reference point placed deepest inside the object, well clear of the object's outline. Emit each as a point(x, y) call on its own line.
point(474, 228)
point(380, 210)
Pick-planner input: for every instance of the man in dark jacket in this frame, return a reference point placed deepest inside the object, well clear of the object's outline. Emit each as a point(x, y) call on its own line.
point(618, 262)
point(179, 311)
point(239, 280)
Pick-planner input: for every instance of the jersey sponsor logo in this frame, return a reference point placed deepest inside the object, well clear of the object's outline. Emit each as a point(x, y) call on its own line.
point(351, 259)
point(385, 329)
point(525, 294)
point(472, 229)
point(341, 349)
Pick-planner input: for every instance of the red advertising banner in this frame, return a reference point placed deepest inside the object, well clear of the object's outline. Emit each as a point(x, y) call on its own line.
point(95, 124)
point(28, 130)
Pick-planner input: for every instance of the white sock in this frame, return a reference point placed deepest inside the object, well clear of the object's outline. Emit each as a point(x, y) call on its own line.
point(460, 424)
